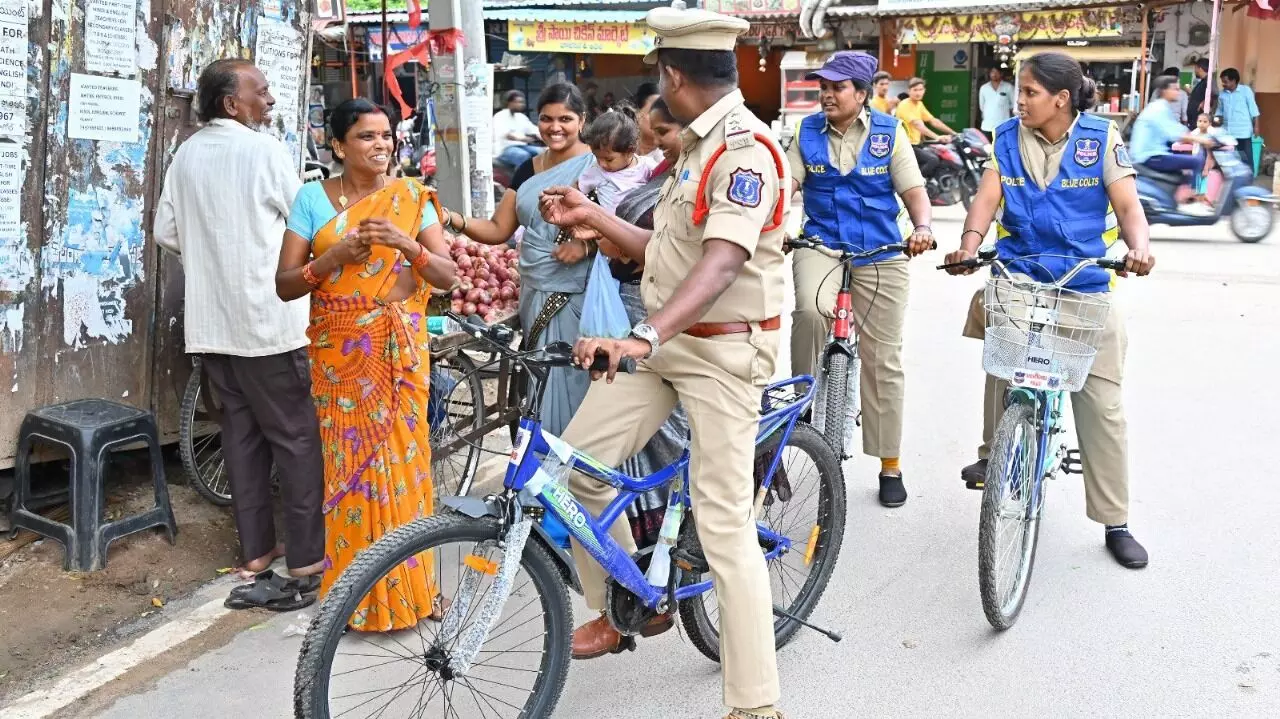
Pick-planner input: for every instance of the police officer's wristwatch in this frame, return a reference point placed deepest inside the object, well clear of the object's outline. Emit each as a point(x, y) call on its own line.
point(648, 334)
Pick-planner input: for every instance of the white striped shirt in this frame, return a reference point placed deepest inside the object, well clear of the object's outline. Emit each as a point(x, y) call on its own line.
point(223, 210)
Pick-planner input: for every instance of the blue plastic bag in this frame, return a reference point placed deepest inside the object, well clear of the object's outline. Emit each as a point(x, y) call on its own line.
point(602, 312)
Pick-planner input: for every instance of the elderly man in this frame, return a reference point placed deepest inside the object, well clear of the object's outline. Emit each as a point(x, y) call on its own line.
point(852, 164)
point(223, 210)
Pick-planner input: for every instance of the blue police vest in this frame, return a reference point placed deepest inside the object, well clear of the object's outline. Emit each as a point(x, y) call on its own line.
point(854, 212)
point(1067, 219)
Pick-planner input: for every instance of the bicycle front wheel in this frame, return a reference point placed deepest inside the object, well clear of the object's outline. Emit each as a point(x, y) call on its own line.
point(807, 505)
point(836, 378)
point(520, 668)
point(1009, 530)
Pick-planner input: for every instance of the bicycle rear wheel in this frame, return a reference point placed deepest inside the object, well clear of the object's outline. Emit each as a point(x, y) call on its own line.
point(812, 515)
point(519, 671)
point(200, 442)
point(1009, 531)
point(461, 412)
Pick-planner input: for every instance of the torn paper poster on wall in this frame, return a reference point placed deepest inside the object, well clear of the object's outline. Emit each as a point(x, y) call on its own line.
point(279, 55)
point(210, 33)
point(11, 319)
point(13, 68)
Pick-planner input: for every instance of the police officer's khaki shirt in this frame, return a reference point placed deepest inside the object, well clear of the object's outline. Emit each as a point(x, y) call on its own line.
point(1043, 159)
point(845, 148)
point(742, 193)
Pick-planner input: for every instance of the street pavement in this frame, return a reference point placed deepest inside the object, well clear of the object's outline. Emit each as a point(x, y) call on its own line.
point(1193, 635)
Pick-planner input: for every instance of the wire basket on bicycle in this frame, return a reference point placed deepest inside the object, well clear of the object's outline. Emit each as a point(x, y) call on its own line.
point(1040, 335)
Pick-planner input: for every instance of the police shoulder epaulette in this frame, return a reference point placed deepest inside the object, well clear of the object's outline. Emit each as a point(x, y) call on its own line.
point(736, 134)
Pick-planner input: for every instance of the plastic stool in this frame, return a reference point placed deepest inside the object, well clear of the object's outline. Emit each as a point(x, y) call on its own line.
point(89, 428)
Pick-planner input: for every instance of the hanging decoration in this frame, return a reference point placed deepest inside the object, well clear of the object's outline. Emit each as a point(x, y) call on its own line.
point(417, 52)
point(415, 14)
point(445, 42)
point(1006, 28)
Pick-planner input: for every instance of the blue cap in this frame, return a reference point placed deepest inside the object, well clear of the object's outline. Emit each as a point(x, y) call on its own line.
point(847, 65)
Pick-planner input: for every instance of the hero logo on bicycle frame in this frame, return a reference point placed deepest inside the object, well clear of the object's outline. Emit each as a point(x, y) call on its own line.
point(1087, 152)
point(746, 187)
point(562, 499)
point(879, 145)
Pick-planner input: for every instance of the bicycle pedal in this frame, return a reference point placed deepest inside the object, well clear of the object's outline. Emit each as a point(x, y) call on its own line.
point(975, 484)
point(626, 644)
point(688, 561)
point(1073, 463)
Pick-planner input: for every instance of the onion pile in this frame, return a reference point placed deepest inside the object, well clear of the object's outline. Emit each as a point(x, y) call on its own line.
point(489, 280)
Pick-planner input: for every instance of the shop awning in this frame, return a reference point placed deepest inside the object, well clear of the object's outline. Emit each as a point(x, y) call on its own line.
point(1100, 53)
point(757, 10)
point(1033, 26)
point(907, 8)
point(562, 15)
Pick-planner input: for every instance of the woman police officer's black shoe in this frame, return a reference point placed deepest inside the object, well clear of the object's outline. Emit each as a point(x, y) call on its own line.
point(892, 492)
point(1126, 550)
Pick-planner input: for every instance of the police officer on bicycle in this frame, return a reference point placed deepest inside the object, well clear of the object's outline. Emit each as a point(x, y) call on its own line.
point(713, 287)
point(1060, 189)
point(853, 163)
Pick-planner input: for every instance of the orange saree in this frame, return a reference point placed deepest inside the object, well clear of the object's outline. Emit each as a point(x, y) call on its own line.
point(369, 373)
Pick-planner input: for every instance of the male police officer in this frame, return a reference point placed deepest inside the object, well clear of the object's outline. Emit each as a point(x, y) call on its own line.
point(850, 160)
point(713, 286)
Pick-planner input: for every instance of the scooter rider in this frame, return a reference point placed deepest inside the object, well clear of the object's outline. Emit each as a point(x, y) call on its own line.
point(850, 161)
point(1157, 129)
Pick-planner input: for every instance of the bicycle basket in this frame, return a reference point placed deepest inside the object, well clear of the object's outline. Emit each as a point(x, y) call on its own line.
point(1040, 336)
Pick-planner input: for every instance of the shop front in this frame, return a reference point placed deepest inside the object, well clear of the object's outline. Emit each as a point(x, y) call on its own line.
point(953, 44)
point(771, 78)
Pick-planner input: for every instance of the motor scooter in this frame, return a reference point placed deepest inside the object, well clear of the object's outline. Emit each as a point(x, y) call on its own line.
point(1250, 209)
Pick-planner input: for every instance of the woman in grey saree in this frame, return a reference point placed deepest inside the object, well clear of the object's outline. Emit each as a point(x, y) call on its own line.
point(645, 515)
point(553, 277)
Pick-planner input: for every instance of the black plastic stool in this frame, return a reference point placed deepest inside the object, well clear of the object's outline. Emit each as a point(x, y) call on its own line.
point(89, 428)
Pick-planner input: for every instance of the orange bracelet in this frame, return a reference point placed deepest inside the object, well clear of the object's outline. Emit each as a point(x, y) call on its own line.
point(309, 276)
point(423, 259)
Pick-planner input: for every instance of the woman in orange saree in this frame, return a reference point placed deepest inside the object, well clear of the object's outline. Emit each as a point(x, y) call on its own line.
point(368, 249)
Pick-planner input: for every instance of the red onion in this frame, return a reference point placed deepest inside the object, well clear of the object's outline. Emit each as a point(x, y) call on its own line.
point(469, 308)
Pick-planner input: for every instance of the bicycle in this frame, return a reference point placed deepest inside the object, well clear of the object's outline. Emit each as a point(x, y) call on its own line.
point(1041, 338)
point(840, 367)
point(499, 538)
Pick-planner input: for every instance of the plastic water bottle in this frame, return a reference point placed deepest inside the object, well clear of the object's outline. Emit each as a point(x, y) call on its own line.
point(660, 562)
point(441, 325)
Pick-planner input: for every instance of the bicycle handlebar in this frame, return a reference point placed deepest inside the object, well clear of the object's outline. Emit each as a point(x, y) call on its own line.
point(988, 257)
point(556, 354)
point(809, 243)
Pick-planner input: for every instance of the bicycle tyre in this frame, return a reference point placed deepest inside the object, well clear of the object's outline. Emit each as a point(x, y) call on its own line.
point(704, 633)
point(453, 472)
point(311, 681)
point(215, 488)
point(837, 380)
point(1002, 614)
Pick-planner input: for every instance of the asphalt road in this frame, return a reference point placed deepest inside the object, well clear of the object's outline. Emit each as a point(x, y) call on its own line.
point(1193, 635)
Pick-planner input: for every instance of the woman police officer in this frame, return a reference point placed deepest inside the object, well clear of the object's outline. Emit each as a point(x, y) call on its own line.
point(1062, 187)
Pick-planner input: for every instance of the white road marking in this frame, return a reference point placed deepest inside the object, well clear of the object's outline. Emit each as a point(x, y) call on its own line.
point(44, 702)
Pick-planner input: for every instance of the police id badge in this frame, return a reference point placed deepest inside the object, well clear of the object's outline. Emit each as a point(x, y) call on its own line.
point(1087, 152)
point(878, 145)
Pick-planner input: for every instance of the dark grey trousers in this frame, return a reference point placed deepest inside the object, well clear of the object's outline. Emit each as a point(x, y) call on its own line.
point(268, 416)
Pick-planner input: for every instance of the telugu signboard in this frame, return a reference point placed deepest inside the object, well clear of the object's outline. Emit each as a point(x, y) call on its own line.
point(602, 38)
point(943, 5)
point(747, 8)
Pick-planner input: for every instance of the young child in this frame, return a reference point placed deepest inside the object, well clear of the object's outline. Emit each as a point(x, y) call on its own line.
point(613, 138)
point(1213, 128)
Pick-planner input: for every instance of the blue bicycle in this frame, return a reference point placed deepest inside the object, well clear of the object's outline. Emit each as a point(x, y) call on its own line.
point(1041, 338)
point(498, 644)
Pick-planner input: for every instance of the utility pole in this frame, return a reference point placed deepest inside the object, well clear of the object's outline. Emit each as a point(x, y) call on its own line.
point(464, 109)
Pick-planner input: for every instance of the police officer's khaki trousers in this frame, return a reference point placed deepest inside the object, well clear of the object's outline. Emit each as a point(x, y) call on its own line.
point(1099, 413)
point(882, 288)
point(720, 381)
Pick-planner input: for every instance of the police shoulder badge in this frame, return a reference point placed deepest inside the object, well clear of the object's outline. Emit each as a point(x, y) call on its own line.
point(1087, 152)
point(878, 145)
point(1122, 156)
point(745, 187)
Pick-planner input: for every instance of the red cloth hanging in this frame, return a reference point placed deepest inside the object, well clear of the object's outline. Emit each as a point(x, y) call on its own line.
point(419, 52)
point(445, 42)
point(415, 14)
point(1263, 10)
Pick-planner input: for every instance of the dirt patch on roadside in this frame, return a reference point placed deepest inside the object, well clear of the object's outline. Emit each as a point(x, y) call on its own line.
point(51, 619)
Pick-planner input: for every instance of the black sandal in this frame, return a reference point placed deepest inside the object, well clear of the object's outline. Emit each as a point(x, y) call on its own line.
point(275, 593)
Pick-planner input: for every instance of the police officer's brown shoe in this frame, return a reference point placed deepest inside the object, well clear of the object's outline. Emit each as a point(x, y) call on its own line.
point(597, 637)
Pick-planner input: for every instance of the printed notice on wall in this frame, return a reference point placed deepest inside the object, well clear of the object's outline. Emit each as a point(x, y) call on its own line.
point(104, 108)
point(279, 57)
point(110, 37)
point(13, 68)
point(10, 191)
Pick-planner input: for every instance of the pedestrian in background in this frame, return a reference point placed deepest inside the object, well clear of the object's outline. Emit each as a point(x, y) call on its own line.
point(223, 209)
point(995, 100)
point(1241, 117)
point(1196, 102)
point(880, 100)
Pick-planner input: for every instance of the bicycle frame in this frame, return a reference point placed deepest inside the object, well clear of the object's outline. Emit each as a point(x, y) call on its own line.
point(1047, 405)
point(592, 533)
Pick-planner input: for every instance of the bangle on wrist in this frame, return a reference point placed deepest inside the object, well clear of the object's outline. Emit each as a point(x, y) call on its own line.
point(924, 227)
point(966, 232)
point(309, 275)
point(421, 260)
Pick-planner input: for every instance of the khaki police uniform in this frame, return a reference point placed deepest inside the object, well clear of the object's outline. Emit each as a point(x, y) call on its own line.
point(879, 295)
point(719, 377)
point(1098, 407)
